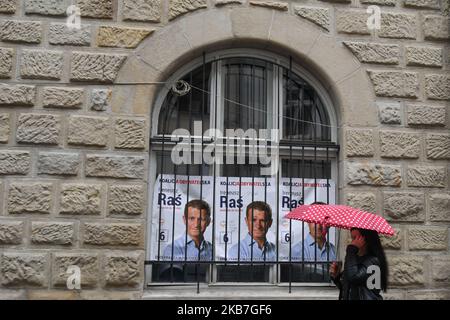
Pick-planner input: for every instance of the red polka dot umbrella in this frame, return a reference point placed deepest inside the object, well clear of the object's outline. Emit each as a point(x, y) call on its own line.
point(341, 217)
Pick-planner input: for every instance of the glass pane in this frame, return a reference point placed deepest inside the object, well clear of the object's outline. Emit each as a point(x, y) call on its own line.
point(235, 273)
point(245, 93)
point(309, 248)
point(166, 166)
point(304, 116)
point(307, 169)
point(253, 272)
point(307, 272)
point(179, 272)
point(242, 170)
point(181, 111)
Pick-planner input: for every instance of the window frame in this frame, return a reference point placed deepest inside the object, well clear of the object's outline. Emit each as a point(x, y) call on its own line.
point(277, 96)
point(277, 122)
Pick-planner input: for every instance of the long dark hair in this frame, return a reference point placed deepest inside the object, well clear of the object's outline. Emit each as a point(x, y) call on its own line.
point(374, 248)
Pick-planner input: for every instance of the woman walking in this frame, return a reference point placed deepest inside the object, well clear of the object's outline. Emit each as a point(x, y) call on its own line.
point(364, 256)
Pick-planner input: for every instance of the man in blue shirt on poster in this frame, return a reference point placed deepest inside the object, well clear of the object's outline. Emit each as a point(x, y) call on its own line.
point(317, 253)
point(316, 248)
point(255, 247)
point(197, 217)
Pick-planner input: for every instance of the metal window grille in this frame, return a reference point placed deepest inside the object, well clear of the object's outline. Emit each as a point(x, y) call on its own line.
point(242, 93)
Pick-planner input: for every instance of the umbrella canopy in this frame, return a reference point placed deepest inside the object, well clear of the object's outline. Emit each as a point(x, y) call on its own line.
point(339, 216)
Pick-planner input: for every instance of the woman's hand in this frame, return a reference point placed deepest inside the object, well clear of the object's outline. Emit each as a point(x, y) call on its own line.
point(335, 269)
point(359, 242)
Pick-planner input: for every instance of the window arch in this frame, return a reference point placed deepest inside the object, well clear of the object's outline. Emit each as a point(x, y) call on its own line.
point(230, 90)
point(255, 85)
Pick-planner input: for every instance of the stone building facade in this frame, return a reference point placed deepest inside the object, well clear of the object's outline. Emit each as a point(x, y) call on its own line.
point(76, 109)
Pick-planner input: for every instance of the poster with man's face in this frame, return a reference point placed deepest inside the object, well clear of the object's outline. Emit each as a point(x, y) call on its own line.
point(170, 227)
point(235, 225)
point(269, 237)
point(196, 220)
point(295, 192)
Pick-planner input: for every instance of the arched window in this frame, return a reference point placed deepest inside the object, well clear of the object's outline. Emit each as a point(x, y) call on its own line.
point(279, 116)
point(250, 93)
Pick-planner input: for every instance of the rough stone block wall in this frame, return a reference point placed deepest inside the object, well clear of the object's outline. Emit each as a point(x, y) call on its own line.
point(74, 137)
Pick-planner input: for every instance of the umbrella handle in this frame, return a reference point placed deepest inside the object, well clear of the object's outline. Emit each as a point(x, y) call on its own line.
point(324, 231)
point(325, 228)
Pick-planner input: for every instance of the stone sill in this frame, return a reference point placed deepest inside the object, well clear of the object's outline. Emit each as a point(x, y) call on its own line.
point(228, 292)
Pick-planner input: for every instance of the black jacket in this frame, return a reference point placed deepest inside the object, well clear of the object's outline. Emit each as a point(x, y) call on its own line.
point(352, 282)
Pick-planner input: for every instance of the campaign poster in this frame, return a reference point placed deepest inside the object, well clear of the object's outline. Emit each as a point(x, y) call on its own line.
point(233, 240)
point(169, 199)
point(234, 230)
point(295, 192)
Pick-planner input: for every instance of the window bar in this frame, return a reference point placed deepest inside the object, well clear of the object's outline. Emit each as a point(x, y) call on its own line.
point(159, 230)
point(188, 178)
point(226, 220)
point(327, 121)
point(299, 169)
point(290, 178)
point(251, 103)
point(214, 175)
point(252, 97)
point(302, 162)
point(246, 112)
point(315, 174)
point(264, 104)
point(247, 101)
point(303, 196)
point(278, 125)
point(259, 102)
point(239, 222)
point(265, 200)
point(239, 123)
point(178, 111)
point(303, 124)
point(161, 187)
point(256, 106)
point(262, 94)
point(173, 208)
point(290, 224)
point(201, 166)
point(226, 95)
point(325, 243)
point(253, 242)
point(228, 173)
point(298, 111)
point(238, 98)
point(171, 110)
point(328, 230)
point(160, 206)
point(315, 230)
point(323, 133)
point(190, 104)
point(240, 191)
point(226, 124)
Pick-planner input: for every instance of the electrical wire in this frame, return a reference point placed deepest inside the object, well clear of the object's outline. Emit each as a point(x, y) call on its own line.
point(181, 88)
